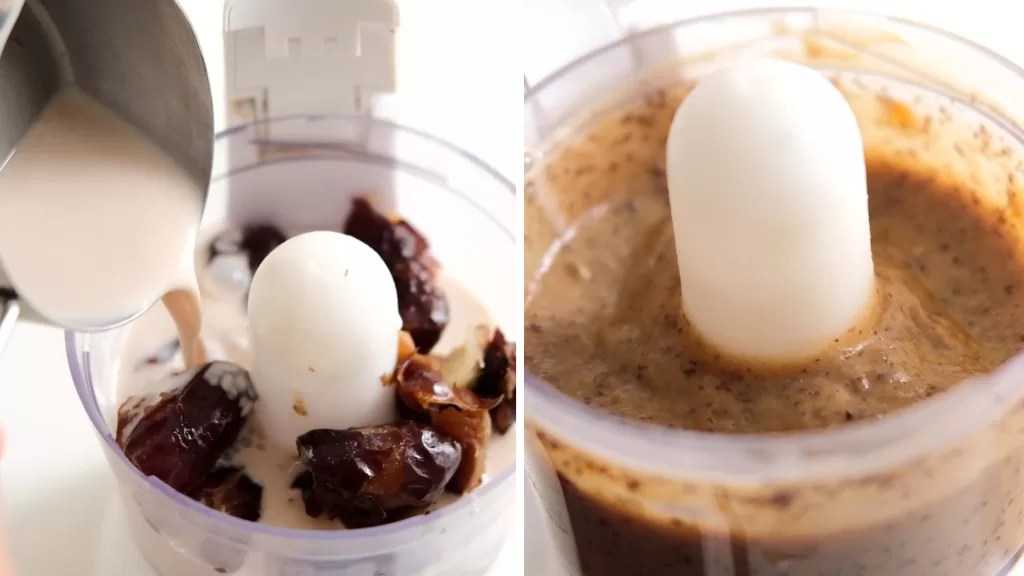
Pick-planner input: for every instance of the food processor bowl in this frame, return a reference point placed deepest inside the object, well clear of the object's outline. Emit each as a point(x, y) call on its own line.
point(467, 212)
point(931, 490)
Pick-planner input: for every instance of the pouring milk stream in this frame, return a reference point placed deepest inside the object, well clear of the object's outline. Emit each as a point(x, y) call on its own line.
point(78, 241)
point(105, 170)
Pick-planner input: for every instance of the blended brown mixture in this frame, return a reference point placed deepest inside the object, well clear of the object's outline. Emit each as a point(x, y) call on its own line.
point(603, 326)
point(604, 322)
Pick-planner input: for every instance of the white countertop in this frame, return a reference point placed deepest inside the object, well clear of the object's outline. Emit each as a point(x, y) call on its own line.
point(61, 510)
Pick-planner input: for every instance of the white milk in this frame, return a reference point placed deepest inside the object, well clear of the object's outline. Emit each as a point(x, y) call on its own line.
point(96, 221)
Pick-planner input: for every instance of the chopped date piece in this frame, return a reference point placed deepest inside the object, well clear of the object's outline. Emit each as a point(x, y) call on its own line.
point(303, 482)
point(472, 430)
point(256, 241)
point(422, 389)
point(180, 438)
point(374, 475)
point(498, 380)
point(458, 412)
point(395, 241)
point(231, 491)
point(406, 347)
point(317, 500)
point(503, 416)
point(135, 407)
point(406, 252)
point(129, 414)
point(498, 375)
point(421, 303)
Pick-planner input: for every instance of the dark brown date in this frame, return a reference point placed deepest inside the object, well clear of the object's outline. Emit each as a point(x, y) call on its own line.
point(231, 491)
point(395, 240)
point(421, 303)
point(374, 475)
point(459, 412)
point(498, 380)
point(422, 389)
point(406, 252)
point(256, 241)
point(472, 430)
point(129, 414)
point(180, 437)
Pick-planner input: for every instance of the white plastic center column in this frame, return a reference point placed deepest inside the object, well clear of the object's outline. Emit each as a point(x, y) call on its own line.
point(768, 191)
point(324, 322)
point(323, 309)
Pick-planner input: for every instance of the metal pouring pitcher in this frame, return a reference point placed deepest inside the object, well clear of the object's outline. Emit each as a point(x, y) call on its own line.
point(139, 58)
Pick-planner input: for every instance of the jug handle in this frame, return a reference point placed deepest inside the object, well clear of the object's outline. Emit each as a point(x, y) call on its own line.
point(9, 310)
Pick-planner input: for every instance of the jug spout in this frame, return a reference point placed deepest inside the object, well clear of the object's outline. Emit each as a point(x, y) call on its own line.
point(139, 59)
point(9, 11)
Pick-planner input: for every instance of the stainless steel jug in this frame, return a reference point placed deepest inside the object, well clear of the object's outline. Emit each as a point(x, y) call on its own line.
point(140, 58)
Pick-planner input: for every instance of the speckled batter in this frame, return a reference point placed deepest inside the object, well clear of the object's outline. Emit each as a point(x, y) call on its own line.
point(604, 322)
point(602, 325)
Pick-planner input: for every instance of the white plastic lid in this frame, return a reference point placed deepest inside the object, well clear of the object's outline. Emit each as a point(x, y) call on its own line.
point(290, 57)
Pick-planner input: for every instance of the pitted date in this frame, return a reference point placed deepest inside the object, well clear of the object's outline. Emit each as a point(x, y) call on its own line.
point(458, 412)
point(472, 430)
point(231, 491)
point(498, 380)
point(395, 240)
point(258, 241)
point(374, 475)
point(422, 389)
point(421, 303)
point(255, 241)
point(180, 438)
point(406, 252)
point(133, 409)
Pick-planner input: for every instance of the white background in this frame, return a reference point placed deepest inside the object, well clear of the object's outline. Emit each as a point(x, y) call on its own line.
point(459, 77)
point(562, 30)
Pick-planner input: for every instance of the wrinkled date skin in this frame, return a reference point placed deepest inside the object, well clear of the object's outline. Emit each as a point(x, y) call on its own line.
point(406, 252)
point(459, 412)
point(232, 491)
point(180, 438)
point(422, 389)
point(498, 380)
point(472, 430)
point(374, 475)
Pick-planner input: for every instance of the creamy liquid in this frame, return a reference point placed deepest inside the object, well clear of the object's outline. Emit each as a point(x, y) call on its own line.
point(226, 336)
point(96, 221)
point(185, 311)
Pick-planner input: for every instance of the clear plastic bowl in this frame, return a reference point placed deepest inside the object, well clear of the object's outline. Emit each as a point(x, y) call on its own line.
point(306, 185)
point(933, 490)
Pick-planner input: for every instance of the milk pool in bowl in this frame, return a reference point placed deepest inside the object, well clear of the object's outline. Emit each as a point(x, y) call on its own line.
point(466, 212)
